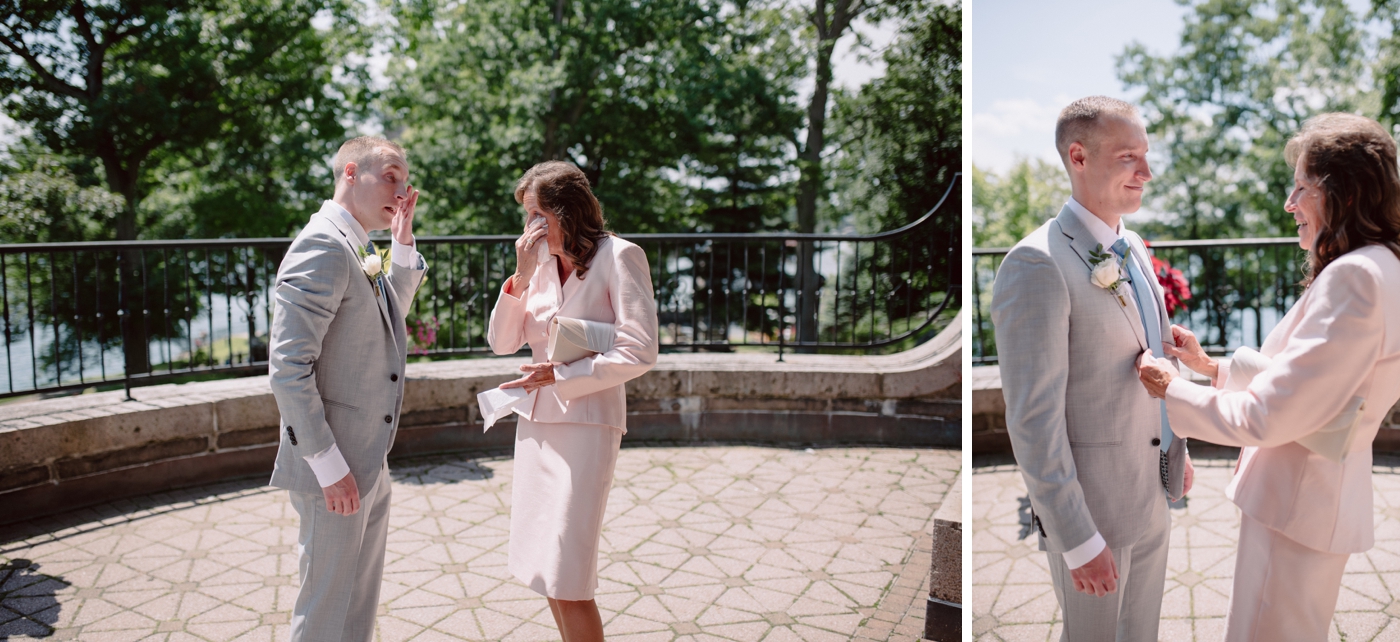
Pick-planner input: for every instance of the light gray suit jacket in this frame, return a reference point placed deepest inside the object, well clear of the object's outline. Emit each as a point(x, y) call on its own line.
point(1081, 424)
point(337, 355)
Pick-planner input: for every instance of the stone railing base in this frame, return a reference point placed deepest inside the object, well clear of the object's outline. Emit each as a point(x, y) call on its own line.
point(943, 619)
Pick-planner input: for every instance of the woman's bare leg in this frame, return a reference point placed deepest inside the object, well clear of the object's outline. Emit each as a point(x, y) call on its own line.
point(558, 620)
point(579, 619)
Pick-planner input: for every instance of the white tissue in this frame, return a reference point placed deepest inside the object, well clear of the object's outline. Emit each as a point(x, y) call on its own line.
point(497, 403)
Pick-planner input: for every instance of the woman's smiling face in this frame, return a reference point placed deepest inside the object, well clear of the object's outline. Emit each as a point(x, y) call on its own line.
point(1305, 203)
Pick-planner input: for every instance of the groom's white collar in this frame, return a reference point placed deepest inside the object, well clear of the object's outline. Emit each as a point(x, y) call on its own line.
point(1102, 233)
point(333, 210)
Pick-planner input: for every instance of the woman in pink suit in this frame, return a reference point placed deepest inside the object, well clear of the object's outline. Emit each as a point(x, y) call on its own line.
point(1334, 360)
point(566, 444)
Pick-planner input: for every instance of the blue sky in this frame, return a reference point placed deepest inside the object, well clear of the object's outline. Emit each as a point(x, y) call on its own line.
point(1027, 59)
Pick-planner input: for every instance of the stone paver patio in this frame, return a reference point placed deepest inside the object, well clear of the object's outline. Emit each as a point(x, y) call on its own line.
point(700, 543)
point(1012, 598)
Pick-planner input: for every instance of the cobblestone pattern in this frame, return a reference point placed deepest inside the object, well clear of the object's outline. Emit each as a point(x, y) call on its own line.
point(702, 543)
point(1012, 598)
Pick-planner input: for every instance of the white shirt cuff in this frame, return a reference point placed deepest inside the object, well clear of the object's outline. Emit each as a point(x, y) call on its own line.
point(1086, 552)
point(404, 255)
point(329, 466)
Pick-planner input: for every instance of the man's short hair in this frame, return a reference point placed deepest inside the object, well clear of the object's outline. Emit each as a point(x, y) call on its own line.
point(1080, 122)
point(359, 150)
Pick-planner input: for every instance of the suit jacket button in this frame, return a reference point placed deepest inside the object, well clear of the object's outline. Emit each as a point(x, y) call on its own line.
point(1156, 441)
point(388, 419)
point(291, 436)
point(393, 377)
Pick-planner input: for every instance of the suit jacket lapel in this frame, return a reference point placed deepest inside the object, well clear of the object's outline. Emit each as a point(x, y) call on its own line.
point(352, 246)
point(1082, 242)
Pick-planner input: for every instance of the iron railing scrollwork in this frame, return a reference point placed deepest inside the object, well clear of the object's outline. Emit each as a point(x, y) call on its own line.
point(77, 315)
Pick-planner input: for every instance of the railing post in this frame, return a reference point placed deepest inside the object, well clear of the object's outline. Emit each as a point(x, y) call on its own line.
point(122, 316)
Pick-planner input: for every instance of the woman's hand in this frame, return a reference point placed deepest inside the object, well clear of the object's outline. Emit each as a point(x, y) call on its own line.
point(1188, 349)
point(1155, 374)
point(538, 375)
point(526, 254)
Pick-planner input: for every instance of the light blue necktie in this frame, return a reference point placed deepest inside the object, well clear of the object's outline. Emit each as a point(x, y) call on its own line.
point(1142, 291)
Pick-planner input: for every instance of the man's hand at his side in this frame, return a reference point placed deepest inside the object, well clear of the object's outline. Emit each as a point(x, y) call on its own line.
point(343, 497)
point(1099, 577)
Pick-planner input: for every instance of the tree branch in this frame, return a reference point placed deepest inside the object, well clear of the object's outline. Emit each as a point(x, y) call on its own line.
point(51, 82)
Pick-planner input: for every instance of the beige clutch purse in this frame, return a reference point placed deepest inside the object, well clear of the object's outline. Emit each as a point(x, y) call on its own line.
point(574, 339)
point(1332, 440)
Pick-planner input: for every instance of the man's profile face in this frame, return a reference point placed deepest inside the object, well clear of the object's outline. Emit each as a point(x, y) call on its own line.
point(1113, 169)
point(379, 188)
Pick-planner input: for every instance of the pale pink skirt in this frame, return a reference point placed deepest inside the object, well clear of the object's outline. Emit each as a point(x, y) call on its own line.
point(563, 473)
point(1283, 590)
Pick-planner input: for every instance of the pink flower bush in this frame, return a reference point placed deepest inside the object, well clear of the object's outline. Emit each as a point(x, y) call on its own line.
point(423, 333)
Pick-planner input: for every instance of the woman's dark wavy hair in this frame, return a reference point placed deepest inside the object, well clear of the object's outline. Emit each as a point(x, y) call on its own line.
point(1353, 159)
point(562, 188)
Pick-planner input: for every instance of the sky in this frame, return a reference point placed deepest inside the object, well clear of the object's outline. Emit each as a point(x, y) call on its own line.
point(1027, 59)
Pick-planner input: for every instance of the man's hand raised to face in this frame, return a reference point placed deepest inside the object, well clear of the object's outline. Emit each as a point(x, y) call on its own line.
point(401, 226)
point(1099, 577)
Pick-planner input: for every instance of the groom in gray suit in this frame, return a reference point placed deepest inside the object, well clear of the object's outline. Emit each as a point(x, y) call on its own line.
point(1075, 305)
point(338, 351)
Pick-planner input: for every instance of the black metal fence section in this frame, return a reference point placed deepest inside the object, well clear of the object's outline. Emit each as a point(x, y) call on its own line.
point(82, 314)
point(1240, 289)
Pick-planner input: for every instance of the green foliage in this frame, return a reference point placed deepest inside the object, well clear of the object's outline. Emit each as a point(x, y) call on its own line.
point(221, 108)
point(900, 137)
point(1247, 75)
point(671, 108)
point(1007, 208)
point(45, 198)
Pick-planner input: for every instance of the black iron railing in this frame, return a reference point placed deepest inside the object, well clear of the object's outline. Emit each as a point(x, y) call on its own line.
point(77, 315)
point(1240, 289)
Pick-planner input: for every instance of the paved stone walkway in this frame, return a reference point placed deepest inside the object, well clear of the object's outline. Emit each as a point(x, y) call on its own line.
point(700, 543)
point(1012, 598)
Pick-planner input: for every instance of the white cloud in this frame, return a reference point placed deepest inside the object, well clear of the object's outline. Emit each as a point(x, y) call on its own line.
point(1019, 127)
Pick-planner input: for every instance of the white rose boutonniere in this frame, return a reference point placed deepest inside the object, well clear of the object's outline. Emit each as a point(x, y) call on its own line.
point(373, 265)
point(1106, 272)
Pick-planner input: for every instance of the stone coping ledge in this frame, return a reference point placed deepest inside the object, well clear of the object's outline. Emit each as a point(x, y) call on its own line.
point(989, 415)
point(87, 448)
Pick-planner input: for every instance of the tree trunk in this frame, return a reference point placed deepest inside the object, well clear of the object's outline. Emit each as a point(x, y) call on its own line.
point(810, 184)
point(132, 279)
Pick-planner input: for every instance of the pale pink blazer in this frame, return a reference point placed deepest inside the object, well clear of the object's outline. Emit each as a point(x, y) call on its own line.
point(1340, 340)
point(616, 290)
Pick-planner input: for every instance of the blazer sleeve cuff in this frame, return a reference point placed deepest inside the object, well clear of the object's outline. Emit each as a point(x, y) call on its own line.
point(329, 466)
point(1086, 552)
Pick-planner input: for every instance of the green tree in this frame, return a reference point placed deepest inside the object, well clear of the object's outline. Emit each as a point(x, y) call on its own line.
point(1247, 75)
point(1006, 208)
point(44, 199)
point(899, 139)
point(225, 102)
point(670, 108)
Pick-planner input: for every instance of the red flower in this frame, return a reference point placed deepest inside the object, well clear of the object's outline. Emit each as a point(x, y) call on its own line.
point(1175, 290)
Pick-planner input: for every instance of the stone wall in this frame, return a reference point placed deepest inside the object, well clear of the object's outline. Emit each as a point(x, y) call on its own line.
point(61, 453)
point(989, 417)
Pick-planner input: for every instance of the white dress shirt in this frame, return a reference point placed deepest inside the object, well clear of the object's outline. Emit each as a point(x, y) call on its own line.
point(1105, 236)
point(329, 465)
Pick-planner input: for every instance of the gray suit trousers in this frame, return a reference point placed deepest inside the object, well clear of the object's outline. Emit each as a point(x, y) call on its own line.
point(1133, 612)
point(341, 565)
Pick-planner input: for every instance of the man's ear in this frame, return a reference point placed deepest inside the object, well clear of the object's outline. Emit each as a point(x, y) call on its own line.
point(1077, 156)
point(350, 169)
